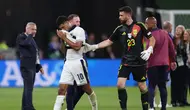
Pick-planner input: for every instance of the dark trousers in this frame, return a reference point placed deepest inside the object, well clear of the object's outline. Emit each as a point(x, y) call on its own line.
point(174, 86)
point(186, 84)
point(28, 76)
point(179, 85)
point(74, 93)
point(188, 80)
point(158, 76)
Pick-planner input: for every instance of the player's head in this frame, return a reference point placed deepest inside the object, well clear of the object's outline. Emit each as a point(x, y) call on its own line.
point(179, 31)
point(62, 22)
point(74, 19)
point(31, 28)
point(167, 26)
point(151, 23)
point(186, 35)
point(125, 13)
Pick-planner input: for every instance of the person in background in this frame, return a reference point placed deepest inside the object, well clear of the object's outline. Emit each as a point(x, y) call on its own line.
point(168, 27)
point(29, 63)
point(3, 46)
point(177, 76)
point(108, 50)
point(188, 60)
point(186, 78)
point(91, 40)
point(54, 48)
point(157, 64)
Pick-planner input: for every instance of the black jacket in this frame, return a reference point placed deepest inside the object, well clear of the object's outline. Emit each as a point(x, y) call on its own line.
point(28, 51)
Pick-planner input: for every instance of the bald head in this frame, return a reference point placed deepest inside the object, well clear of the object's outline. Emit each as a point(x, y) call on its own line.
point(151, 23)
point(167, 26)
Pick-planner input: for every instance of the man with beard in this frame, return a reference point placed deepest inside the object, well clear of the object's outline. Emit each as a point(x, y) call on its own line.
point(134, 58)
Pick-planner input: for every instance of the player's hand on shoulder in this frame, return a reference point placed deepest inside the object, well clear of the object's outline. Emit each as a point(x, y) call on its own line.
point(146, 53)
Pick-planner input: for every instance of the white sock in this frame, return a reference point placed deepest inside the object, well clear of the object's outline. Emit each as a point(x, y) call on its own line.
point(155, 105)
point(160, 103)
point(59, 102)
point(93, 101)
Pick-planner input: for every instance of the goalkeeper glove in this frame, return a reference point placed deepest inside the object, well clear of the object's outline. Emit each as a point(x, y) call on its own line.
point(146, 53)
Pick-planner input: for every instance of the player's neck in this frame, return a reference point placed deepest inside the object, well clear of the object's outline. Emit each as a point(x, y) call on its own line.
point(129, 22)
point(68, 28)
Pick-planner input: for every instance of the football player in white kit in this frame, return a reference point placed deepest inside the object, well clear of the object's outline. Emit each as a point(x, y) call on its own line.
point(74, 92)
point(75, 67)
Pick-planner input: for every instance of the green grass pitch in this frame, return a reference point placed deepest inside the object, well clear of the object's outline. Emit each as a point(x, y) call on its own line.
point(44, 98)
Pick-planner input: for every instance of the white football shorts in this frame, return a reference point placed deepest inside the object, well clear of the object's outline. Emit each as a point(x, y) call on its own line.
point(74, 70)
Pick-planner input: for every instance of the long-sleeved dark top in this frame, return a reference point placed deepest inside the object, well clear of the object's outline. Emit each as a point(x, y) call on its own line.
point(164, 51)
point(28, 51)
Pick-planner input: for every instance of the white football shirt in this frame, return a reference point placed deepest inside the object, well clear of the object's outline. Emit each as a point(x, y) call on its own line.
point(77, 34)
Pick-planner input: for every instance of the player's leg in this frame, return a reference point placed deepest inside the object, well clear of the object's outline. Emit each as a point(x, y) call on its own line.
point(155, 94)
point(74, 93)
point(152, 82)
point(163, 77)
point(91, 96)
point(70, 96)
point(173, 76)
point(65, 80)
point(167, 105)
point(78, 91)
point(81, 78)
point(185, 91)
point(180, 86)
point(28, 76)
point(139, 75)
point(77, 95)
point(124, 73)
point(60, 97)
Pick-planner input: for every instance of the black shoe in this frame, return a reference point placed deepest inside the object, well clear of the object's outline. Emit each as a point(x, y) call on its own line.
point(181, 104)
point(174, 104)
point(187, 104)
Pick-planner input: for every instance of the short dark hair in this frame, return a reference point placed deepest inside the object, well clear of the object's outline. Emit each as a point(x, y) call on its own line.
point(61, 20)
point(71, 16)
point(126, 9)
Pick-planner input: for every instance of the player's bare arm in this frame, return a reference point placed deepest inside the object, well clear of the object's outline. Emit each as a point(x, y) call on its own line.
point(102, 44)
point(105, 43)
point(152, 41)
point(75, 45)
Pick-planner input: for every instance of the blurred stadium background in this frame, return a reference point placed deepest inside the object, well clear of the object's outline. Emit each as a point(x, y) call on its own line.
point(98, 18)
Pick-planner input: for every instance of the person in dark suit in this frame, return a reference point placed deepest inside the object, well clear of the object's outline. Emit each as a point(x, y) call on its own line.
point(29, 63)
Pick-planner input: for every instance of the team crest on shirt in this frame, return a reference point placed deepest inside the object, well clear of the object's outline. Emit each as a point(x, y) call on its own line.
point(135, 30)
